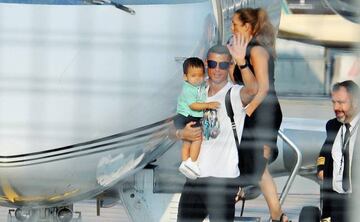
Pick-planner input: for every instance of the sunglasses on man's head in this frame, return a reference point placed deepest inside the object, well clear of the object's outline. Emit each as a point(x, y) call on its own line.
point(222, 65)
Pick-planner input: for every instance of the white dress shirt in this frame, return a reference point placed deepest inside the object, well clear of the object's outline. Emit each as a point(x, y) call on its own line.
point(336, 152)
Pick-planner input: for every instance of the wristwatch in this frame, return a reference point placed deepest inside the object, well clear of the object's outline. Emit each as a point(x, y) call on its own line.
point(244, 66)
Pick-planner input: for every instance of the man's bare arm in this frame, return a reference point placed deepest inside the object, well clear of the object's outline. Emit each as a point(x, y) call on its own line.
point(189, 132)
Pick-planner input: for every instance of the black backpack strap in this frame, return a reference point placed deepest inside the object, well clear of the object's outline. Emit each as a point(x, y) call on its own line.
point(251, 160)
point(230, 113)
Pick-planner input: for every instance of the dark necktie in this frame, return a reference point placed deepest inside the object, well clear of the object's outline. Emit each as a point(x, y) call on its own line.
point(345, 180)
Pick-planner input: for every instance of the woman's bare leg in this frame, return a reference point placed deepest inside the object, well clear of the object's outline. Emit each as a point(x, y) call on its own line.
point(268, 188)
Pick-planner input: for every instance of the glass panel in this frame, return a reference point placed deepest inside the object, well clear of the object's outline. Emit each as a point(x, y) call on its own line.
point(299, 69)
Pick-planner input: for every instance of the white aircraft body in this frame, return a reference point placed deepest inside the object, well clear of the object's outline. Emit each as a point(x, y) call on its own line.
point(87, 92)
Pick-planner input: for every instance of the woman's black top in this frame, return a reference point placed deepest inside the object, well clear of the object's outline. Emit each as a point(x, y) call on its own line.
point(266, 119)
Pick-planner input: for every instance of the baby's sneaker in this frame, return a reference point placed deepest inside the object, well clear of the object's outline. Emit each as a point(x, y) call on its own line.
point(186, 171)
point(193, 167)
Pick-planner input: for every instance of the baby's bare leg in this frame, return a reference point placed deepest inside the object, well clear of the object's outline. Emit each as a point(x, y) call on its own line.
point(185, 150)
point(195, 150)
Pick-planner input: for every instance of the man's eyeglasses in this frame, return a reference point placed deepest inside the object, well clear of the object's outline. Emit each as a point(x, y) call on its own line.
point(222, 65)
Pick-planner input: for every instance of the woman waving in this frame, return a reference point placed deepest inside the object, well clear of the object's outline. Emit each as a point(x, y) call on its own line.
point(253, 49)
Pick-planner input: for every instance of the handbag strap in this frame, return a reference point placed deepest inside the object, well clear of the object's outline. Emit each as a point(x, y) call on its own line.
point(230, 113)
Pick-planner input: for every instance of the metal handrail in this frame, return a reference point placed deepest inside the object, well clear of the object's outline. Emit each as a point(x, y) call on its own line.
point(296, 169)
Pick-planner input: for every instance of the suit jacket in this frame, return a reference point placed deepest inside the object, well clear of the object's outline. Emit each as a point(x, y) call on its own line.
point(325, 160)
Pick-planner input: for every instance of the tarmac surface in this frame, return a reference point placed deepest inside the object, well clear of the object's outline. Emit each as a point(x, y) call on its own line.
point(304, 192)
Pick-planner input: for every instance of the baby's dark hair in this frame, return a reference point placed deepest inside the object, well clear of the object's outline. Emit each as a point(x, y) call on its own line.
point(193, 62)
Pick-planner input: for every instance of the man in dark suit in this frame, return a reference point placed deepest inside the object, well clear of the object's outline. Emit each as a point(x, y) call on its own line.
point(335, 160)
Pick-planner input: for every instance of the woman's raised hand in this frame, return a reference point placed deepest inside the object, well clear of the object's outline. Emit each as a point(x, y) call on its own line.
point(237, 48)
